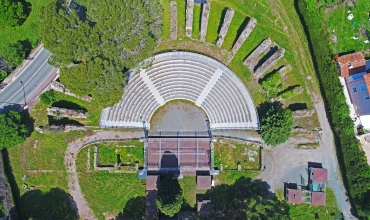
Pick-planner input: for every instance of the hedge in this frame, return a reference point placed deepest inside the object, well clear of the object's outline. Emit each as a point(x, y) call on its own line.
point(353, 162)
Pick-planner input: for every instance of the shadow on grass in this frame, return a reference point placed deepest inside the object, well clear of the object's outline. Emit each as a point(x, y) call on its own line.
point(55, 204)
point(297, 106)
point(69, 105)
point(134, 209)
point(263, 108)
point(62, 121)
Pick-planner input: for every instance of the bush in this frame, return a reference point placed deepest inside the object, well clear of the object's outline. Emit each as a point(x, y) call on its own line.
point(276, 126)
point(170, 197)
point(354, 167)
point(273, 84)
point(13, 129)
point(48, 98)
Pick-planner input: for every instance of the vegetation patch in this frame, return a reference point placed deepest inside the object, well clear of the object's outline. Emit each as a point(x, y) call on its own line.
point(110, 194)
point(230, 153)
point(126, 153)
point(272, 84)
point(196, 20)
point(276, 126)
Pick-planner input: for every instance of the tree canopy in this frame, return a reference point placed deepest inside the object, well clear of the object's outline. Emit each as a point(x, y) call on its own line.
point(13, 129)
point(95, 53)
point(11, 13)
point(276, 126)
point(170, 197)
point(246, 199)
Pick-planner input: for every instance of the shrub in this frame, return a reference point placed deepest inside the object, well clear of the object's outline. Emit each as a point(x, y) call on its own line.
point(355, 170)
point(276, 126)
point(48, 98)
point(272, 84)
point(170, 197)
point(13, 129)
point(291, 92)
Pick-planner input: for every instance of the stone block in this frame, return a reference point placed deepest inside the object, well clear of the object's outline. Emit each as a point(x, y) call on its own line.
point(252, 60)
point(204, 21)
point(189, 17)
point(225, 27)
point(244, 35)
point(269, 62)
point(173, 27)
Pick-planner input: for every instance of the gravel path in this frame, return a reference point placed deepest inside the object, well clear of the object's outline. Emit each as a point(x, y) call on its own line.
point(286, 163)
point(73, 148)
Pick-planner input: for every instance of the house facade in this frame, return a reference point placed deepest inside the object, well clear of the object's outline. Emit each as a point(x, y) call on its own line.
point(354, 73)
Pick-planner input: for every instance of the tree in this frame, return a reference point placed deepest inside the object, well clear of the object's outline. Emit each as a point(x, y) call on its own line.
point(246, 199)
point(95, 54)
point(13, 129)
point(170, 197)
point(11, 13)
point(48, 98)
point(276, 126)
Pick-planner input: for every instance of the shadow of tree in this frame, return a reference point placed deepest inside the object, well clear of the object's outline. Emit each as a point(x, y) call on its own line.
point(55, 204)
point(69, 105)
point(246, 199)
point(134, 209)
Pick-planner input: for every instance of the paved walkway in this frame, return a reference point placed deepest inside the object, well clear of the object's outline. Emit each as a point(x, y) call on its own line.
point(73, 148)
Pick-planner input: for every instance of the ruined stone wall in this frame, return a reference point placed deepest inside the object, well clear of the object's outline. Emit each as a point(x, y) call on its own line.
point(173, 28)
point(244, 35)
point(269, 62)
point(63, 112)
point(225, 27)
point(303, 113)
point(252, 60)
point(284, 70)
point(204, 21)
point(189, 17)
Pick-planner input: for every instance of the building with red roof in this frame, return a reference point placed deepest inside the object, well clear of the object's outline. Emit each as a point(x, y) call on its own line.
point(294, 196)
point(318, 198)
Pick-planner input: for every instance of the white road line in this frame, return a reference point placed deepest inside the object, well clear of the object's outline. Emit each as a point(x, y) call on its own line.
point(27, 66)
point(25, 83)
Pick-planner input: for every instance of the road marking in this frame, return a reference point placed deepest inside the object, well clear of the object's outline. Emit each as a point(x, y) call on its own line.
point(27, 65)
point(25, 83)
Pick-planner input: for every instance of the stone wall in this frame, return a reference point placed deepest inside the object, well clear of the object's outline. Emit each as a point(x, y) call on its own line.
point(55, 129)
point(59, 87)
point(252, 60)
point(189, 17)
point(303, 113)
point(225, 27)
point(244, 35)
point(173, 28)
point(68, 113)
point(269, 62)
point(284, 70)
point(204, 21)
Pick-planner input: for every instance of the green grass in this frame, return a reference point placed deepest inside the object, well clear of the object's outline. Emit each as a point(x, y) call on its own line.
point(236, 27)
point(196, 20)
point(214, 22)
point(307, 211)
point(108, 193)
point(166, 19)
point(28, 30)
point(338, 24)
point(230, 178)
point(231, 152)
point(189, 188)
point(127, 152)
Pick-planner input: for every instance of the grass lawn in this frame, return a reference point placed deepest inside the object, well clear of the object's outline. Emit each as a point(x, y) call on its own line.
point(196, 20)
point(108, 193)
point(307, 211)
point(128, 153)
point(231, 152)
point(229, 178)
point(277, 20)
point(189, 188)
point(338, 24)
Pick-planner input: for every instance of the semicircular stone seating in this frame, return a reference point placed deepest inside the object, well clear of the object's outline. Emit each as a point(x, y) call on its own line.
point(184, 75)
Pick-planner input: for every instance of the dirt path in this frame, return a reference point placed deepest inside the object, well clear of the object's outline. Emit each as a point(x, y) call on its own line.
point(285, 163)
point(73, 148)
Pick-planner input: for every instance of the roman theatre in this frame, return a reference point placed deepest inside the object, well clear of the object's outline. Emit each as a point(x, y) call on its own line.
point(207, 83)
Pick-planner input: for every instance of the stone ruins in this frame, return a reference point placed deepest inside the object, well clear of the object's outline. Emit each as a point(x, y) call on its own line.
point(59, 87)
point(173, 28)
point(204, 21)
point(244, 35)
point(284, 70)
point(269, 63)
point(59, 128)
point(68, 113)
point(303, 113)
point(189, 17)
point(225, 27)
point(252, 60)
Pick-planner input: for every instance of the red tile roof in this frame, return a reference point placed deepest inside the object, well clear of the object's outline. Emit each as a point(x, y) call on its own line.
point(204, 182)
point(294, 196)
point(152, 182)
point(320, 175)
point(318, 198)
point(351, 64)
point(367, 81)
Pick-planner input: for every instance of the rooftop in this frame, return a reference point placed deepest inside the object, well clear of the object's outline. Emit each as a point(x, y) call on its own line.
point(294, 196)
point(351, 64)
point(320, 175)
point(204, 182)
point(318, 198)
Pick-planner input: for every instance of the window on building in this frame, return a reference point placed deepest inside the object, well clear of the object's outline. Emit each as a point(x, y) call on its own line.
point(366, 98)
point(354, 89)
point(363, 88)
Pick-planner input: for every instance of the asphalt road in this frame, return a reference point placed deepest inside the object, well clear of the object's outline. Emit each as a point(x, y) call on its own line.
point(28, 84)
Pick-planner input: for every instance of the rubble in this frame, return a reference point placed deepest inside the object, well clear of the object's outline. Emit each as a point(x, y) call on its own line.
point(284, 70)
point(303, 113)
point(225, 27)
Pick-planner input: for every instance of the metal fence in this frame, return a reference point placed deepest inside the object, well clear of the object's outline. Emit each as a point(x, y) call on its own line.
point(178, 134)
